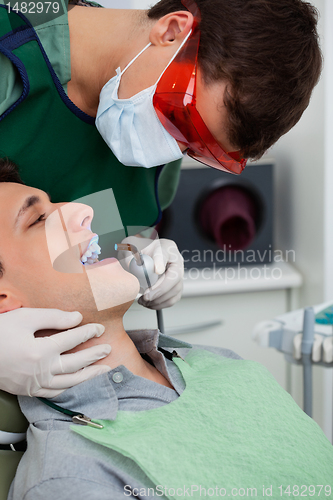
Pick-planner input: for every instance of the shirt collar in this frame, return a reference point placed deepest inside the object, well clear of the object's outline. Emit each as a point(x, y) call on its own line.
point(97, 398)
point(145, 340)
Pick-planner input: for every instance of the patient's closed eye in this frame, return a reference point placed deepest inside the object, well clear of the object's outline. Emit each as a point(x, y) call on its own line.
point(40, 219)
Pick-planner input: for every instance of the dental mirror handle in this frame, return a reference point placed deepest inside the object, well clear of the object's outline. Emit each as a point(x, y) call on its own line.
point(142, 266)
point(147, 276)
point(145, 273)
point(160, 322)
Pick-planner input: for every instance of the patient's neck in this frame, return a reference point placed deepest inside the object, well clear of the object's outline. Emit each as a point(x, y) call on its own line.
point(123, 351)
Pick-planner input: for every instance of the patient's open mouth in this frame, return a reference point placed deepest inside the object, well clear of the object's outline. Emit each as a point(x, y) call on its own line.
point(90, 256)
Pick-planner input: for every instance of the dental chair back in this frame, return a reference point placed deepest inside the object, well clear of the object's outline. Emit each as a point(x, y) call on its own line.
point(13, 426)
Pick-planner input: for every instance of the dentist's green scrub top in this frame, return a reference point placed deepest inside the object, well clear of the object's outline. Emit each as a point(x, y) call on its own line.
point(56, 146)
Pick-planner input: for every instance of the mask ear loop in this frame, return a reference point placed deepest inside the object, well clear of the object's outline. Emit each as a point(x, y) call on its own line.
point(135, 58)
point(146, 47)
point(175, 55)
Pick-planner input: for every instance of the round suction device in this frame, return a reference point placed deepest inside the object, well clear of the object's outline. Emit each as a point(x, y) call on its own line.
point(229, 216)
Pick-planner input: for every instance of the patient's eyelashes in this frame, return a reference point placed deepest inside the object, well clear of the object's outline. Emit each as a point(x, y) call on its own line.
point(40, 219)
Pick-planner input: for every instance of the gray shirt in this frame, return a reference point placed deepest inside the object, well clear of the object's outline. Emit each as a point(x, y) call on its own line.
point(61, 464)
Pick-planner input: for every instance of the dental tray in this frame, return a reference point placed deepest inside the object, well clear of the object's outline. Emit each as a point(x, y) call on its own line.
point(325, 316)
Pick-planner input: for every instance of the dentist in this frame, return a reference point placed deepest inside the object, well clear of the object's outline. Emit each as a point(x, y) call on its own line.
point(219, 80)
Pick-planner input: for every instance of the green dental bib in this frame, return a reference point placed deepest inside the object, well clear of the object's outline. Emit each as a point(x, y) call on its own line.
point(232, 430)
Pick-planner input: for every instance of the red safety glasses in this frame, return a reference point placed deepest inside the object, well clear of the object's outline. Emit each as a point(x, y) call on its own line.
point(174, 102)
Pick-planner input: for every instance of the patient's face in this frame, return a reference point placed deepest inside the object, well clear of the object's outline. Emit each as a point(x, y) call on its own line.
point(41, 245)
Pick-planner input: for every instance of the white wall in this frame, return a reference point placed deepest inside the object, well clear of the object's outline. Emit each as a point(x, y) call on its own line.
point(328, 226)
point(142, 4)
point(328, 221)
point(299, 192)
point(128, 4)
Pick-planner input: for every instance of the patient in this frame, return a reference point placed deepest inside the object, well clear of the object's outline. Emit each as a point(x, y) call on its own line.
point(172, 428)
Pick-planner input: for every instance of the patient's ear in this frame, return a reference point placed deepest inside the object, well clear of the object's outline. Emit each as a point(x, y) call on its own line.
point(9, 301)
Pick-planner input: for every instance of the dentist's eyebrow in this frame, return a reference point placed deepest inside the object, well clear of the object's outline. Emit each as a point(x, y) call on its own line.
point(29, 202)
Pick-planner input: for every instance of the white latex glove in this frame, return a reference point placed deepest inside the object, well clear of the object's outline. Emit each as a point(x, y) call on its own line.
point(32, 366)
point(169, 263)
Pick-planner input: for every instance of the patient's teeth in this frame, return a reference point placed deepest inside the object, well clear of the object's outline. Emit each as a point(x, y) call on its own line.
point(90, 256)
point(95, 248)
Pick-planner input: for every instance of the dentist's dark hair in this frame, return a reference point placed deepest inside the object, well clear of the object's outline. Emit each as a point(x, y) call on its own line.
point(268, 53)
point(9, 172)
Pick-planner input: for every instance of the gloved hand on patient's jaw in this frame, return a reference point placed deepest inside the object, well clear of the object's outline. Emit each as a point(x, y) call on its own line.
point(31, 366)
point(169, 263)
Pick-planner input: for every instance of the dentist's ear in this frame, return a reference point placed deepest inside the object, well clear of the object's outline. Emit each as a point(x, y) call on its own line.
point(173, 27)
point(9, 301)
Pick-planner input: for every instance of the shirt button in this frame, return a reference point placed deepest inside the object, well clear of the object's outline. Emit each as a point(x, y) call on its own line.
point(117, 377)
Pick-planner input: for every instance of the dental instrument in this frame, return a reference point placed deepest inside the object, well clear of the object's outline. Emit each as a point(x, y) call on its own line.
point(142, 266)
point(306, 350)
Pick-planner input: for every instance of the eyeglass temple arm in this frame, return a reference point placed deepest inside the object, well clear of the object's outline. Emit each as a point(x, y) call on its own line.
point(193, 8)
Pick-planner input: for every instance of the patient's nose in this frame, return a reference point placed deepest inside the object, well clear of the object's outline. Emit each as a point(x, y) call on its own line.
point(77, 216)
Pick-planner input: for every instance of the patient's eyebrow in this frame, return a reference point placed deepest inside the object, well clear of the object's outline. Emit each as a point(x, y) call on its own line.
point(29, 202)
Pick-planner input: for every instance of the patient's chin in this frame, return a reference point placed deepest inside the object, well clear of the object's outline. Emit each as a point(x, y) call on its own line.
point(111, 286)
point(106, 315)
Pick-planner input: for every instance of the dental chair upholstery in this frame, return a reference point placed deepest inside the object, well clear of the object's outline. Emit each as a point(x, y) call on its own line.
point(12, 420)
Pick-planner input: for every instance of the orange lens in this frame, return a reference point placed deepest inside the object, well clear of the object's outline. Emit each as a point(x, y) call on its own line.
point(174, 102)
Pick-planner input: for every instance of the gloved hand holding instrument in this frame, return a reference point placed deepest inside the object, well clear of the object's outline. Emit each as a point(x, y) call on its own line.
point(159, 267)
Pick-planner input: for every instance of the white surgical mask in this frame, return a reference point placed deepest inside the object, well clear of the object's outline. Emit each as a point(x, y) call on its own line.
point(131, 128)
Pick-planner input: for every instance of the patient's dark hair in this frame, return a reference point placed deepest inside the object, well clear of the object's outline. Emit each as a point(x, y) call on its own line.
point(8, 173)
point(268, 52)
